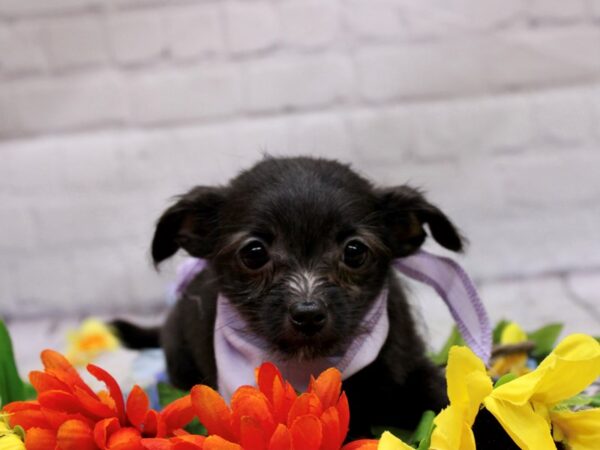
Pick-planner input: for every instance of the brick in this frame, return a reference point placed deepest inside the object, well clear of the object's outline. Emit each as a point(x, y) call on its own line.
point(421, 70)
point(194, 31)
point(458, 17)
point(471, 127)
point(18, 230)
point(535, 303)
point(7, 296)
point(382, 136)
point(251, 27)
point(542, 58)
point(557, 10)
point(137, 36)
point(533, 241)
point(296, 83)
point(29, 170)
point(374, 20)
point(564, 118)
point(595, 8)
point(9, 123)
point(73, 42)
point(166, 97)
point(42, 281)
point(559, 181)
point(253, 138)
point(594, 98)
point(18, 8)
point(309, 24)
point(70, 102)
point(319, 134)
point(21, 49)
point(584, 288)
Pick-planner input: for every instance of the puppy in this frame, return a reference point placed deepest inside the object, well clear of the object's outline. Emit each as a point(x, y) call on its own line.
point(301, 249)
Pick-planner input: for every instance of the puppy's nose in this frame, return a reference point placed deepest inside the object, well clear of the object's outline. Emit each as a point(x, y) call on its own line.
point(308, 317)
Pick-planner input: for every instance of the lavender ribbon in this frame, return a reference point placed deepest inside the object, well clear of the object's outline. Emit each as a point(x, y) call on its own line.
point(443, 274)
point(457, 290)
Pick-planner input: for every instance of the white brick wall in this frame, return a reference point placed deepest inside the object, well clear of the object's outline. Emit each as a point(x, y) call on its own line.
point(109, 108)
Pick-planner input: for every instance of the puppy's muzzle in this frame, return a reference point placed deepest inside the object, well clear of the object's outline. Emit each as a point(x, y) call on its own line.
point(308, 317)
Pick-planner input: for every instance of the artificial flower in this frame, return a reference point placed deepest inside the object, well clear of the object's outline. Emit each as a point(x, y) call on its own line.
point(524, 406)
point(9, 439)
point(69, 415)
point(91, 339)
point(468, 385)
point(515, 363)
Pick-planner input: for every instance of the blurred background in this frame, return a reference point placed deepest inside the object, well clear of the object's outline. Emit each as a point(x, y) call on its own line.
point(110, 108)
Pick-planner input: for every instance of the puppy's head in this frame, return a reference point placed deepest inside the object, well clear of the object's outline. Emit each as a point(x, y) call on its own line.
point(301, 247)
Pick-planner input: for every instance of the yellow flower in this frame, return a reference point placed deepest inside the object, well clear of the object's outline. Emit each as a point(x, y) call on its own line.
point(515, 363)
point(468, 385)
point(9, 439)
point(390, 442)
point(91, 339)
point(580, 429)
point(523, 406)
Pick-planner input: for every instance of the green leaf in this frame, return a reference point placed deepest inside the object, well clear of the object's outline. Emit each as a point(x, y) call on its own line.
point(595, 401)
point(424, 429)
point(195, 427)
point(168, 393)
point(544, 339)
point(498, 329)
point(11, 385)
point(505, 379)
point(574, 402)
point(441, 358)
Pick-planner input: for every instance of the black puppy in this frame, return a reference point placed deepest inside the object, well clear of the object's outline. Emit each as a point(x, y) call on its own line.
point(302, 248)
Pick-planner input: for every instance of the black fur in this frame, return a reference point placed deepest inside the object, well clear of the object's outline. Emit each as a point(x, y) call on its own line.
point(304, 210)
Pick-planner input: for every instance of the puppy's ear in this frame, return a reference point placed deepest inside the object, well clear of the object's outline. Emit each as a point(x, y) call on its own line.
point(189, 224)
point(405, 210)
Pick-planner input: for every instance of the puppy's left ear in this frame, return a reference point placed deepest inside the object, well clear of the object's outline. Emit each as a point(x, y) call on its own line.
point(405, 210)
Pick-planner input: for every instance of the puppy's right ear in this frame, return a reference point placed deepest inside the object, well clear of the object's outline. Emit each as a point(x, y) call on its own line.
point(190, 224)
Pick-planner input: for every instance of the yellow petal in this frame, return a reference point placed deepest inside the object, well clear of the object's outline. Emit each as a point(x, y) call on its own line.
point(529, 430)
point(571, 367)
point(11, 442)
point(579, 429)
point(512, 334)
point(576, 365)
point(390, 442)
point(461, 363)
point(447, 433)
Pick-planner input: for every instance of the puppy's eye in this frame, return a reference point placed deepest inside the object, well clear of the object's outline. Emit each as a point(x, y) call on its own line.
point(355, 254)
point(254, 255)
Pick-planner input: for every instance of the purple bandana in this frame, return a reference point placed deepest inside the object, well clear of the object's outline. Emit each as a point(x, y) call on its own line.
point(239, 353)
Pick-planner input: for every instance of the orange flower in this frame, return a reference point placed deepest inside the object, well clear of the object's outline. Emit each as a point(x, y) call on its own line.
point(274, 417)
point(69, 415)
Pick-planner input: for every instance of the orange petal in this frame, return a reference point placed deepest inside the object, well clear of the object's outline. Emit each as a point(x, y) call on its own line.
point(56, 418)
point(26, 415)
point(343, 409)
point(362, 444)
point(267, 373)
point(328, 387)
point(252, 435)
point(281, 439)
point(40, 439)
point(42, 381)
point(157, 444)
point(57, 365)
point(307, 433)
point(154, 425)
point(137, 406)
point(104, 429)
point(212, 411)
point(249, 401)
point(178, 413)
point(75, 435)
point(218, 443)
point(113, 388)
point(330, 420)
point(127, 438)
point(284, 397)
point(307, 403)
point(60, 400)
point(92, 405)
